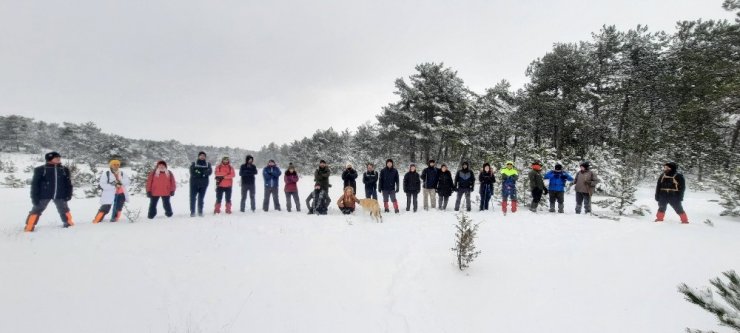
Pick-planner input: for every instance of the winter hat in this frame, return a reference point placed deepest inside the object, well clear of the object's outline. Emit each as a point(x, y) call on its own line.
point(586, 165)
point(558, 167)
point(249, 158)
point(431, 161)
point(672, 165)
point(225, 159)
point(465, 164)
point(52, 155)
point(161, 163)
point(510, 162)
point(202, 153)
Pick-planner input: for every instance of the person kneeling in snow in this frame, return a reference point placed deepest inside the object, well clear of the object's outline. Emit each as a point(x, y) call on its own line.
point(347, 201)
point(318, 201)
point(160, 184)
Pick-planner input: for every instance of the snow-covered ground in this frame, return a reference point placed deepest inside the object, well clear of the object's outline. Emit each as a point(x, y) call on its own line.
point(291, 272)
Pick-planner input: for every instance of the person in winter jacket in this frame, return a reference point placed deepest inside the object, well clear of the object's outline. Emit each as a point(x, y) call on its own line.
point(321, 176)
point(464, 184)
point(291, 187)
point(347, 201)
point(486, 179)
point(445, 186)
point(114, 183)
point(586, 181)
point(200, 171)
point(348, 176)
point(669, 191)
point(536, 185)
point(318, 201)
point(51, 182)
point(160, 184)
point(388, 185)
point(509, 176)
point(271, 173)
point(224, 181)
point(248, 171)
point(556, 186)
point(370, 179)
point(429, 178)
point(412, 186)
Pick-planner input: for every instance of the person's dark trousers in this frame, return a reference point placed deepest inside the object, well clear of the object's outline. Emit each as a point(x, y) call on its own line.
point(197, 192)
point(153, 201)
point(371, 193)
point(347, 210)
point(485, 196)
point(247, 189)
point(559, 197)
point(271, 192)
point(412, 198)
point(221, 192)
point(536, 198)
point(40, 206)
point(583, 200)
point(442, 204)
point(460, 194)
point(675, 203)
point(294, 195)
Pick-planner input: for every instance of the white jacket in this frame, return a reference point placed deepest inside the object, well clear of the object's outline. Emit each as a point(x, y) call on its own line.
point(107, 182)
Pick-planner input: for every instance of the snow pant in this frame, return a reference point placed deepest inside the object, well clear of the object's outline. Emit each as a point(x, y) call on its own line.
point(220, 192)
point(118, 201)
point(675, 202)
point(443, 199)
point(412, 198)
point(199, 192)
point(371, 193)
point(347, 210)
point(508, 191)
point(559, 197)
point(486, 191)
point(583, 199)
point(40, 206)
point(460, 193)
point(430, 193)
point(247, 188)
point(294, 195)
point(153, 201)
point(271, 192)
point(392, 196)
point(536, 198)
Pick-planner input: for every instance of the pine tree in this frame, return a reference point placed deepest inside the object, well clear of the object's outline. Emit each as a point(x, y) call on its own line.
point(727, 310)
point(729, 190)
point(465, 235)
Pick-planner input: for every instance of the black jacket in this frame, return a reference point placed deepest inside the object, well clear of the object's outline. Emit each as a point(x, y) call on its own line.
point(51, 182)
point(486, 179)
point(430, 176)
point(247, 172)
point(671, 186)
point(445, 184)
point(318, 202)
point(199, 173)
point(388, 179)
point(411, 182)
point(464, 180)
point(349, 176)
point(370, 179)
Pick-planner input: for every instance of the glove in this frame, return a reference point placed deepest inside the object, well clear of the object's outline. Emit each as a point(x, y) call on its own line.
point(148, 194)
point(172, 194)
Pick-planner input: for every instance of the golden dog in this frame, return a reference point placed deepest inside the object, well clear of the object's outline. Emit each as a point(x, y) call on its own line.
point(372, 206)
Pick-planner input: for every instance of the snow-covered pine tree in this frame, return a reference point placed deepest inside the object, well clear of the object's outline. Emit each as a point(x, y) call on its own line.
point(465, 235)
point(14, 182)
point(730, 194)
point(626, 186)
point(728, 309)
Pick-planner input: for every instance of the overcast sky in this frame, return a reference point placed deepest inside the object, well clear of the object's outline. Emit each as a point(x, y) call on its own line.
point(245, 73)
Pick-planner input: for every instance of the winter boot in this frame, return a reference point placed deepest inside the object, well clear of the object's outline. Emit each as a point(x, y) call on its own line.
point(513, 206)
point(68, 223)
point(395, 206)
point(228, 208)
point(659, 217)
point(385, 204)
point(31, 222)
point(217, 209)
point(684, 218)
point(504, 205)
point(117, 217)
point(99, 217)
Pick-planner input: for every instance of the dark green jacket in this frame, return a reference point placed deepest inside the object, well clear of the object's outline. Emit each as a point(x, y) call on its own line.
point(321, 176)
point(536, 181)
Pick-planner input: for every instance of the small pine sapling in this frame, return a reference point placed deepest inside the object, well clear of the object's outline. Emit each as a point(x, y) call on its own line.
point(465, 233)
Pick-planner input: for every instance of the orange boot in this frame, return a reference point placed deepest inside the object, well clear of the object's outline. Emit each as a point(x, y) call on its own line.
point(31, 222)
point(99, 217)
point(684, 218)
point(69, 221)
point(659, 217)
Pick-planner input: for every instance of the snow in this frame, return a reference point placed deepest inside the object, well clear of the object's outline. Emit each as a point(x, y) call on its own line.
point(291, 272)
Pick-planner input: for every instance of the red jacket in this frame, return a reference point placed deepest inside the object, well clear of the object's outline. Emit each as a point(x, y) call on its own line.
point(226, 171)
point(291, 182)
point(161, 184)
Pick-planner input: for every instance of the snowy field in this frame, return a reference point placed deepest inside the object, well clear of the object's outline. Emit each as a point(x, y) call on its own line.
point(291, 272)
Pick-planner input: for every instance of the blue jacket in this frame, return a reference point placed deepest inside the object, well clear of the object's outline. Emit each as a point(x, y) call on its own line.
point(388, 179)
point(557, 180)
point(430, 176)
point(272, 176)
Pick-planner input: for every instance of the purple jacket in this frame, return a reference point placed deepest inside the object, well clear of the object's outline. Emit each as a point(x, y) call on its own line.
point(291, 181)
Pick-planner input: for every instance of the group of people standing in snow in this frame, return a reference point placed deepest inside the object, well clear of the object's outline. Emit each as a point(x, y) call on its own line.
point(52, 182)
